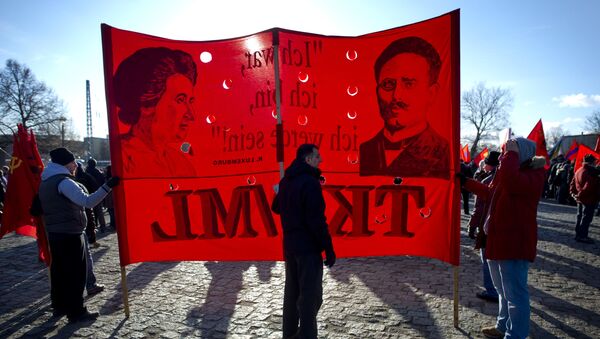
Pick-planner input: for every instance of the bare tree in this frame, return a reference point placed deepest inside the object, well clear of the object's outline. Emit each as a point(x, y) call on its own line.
point(487, 109)
point(25, 100)
point(593, 121)
point(553, 135)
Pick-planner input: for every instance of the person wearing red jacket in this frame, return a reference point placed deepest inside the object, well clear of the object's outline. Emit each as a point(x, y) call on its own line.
point(511, 229)
point(585, 188)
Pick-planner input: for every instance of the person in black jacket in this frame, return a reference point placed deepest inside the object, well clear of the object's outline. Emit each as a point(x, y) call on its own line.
point(100, 180)
point(91, 186)
point(301, 206)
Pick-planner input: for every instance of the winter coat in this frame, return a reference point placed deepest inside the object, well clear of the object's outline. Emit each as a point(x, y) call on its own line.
point(96, 174)
point(301, 207)
point(514, 195)
point(63, 200)
point(480, 211)
point(585, 186)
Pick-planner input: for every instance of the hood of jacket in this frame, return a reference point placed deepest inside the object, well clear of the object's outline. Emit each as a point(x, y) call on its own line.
point(53, 169)
point(299, 167)
point(526, 149)
point(536, 162)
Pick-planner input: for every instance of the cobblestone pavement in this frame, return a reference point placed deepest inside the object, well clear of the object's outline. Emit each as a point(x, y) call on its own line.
point(384, 297)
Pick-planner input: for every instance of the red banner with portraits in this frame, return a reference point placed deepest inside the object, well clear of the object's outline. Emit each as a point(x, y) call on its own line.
point(195, 136)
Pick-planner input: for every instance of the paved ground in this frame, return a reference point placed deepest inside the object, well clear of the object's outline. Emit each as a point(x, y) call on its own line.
point(389, 297)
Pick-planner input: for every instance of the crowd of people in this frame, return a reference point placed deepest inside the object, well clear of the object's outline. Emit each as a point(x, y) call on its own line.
point(508, 186)
point(71, 201)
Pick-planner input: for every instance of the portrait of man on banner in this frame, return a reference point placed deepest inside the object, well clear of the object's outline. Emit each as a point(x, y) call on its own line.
point(154, 91)
point(407, 74)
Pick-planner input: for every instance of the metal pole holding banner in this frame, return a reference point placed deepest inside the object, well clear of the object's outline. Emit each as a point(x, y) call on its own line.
point(279, 129)
point(125, 293)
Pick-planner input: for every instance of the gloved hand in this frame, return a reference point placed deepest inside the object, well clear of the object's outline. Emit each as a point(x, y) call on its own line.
point(462, 177)
point(113, 181)
point(329, 258)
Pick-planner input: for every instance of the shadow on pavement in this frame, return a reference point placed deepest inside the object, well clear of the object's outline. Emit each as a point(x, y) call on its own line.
point(21, 276)
point(137, 279)
point(572, 269)
point(406, 299)
point(561, 306)
point(550, 231)
point(212, 318)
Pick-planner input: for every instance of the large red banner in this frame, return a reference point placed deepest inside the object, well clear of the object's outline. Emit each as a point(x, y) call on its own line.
point(194, 133)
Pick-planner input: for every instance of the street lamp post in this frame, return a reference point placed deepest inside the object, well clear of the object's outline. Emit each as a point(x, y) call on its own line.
point(62, 130)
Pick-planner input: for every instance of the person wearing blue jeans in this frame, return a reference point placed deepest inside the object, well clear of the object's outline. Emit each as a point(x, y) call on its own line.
point(511, 229)
point(485, 176)
point(510, 280)
point(585, 189)
point(91, 286)
point(585, 215)
point(490, 292)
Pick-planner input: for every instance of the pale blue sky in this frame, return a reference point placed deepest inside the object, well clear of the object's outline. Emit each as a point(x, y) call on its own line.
point(546, 52)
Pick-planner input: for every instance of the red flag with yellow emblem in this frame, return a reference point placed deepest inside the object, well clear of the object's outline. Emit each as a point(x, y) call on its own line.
point(23, 183)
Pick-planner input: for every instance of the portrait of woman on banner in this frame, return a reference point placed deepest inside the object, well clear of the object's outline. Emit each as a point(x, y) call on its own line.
point(154, 91)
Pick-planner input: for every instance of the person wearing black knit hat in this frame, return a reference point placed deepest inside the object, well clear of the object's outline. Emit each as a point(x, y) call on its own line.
point(62, 156)
point(63, 201)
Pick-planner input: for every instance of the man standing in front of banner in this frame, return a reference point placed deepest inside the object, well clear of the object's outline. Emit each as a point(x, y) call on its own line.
point(300, 204)
point(62, 202)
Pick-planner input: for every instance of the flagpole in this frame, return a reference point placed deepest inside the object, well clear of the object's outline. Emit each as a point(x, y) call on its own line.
point(279, 129)
point(456, 296)
point(5, 152)
point(125, 293)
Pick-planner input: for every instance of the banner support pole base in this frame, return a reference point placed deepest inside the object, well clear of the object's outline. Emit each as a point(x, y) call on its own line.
point(125, 293)
point(455, 296)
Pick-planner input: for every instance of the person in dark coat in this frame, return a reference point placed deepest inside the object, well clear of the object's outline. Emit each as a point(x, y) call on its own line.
point(109, 201)
point(511, 228)
point(561, 181)
point(476, 226)
point(301, 206)
point(585, 189)
point(90, 185)
point(465, 169)
point(92, 170)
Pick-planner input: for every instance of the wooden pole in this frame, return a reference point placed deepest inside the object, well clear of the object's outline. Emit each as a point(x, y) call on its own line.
point(125, 293)
point(278, 99)
point(456, 296)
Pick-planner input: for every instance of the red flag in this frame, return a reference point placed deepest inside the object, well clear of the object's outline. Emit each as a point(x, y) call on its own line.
point(482, 155)
point(24, 180)
point(465, 155)
point(583, 151)
point(597, 148)
point(572, 153)
point(537, 135)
